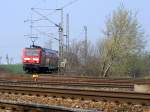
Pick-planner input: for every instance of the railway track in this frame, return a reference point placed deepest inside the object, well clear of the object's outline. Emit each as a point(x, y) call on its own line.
point(95, 95)
point(61, 78)
point(22, 107)
point(70, 84)
point(77, 81)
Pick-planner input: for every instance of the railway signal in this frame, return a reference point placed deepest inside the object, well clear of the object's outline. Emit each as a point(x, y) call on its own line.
point(35, 77)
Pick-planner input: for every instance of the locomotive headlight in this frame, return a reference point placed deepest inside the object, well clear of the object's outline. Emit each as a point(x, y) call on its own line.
point(26, 58)
point(36, 59)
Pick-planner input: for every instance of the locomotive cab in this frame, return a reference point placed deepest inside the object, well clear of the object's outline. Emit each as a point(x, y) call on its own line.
point(38, 59)
point(32, 56)
point(31, 59)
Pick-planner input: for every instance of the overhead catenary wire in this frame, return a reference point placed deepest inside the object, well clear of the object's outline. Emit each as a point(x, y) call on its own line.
point(46, 34)
point(45, 17)
point(43, 26)
point(64, 6)
point(68, 4)
point(33, 39)
point(34, 20)
point(55, 10)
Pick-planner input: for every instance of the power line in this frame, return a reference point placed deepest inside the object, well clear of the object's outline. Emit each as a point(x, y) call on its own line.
point(43, 26)
point(68, 4)
point(55, 10)
point(45, 17)
point(46, 34)
point(34, 20)
point(44, 9)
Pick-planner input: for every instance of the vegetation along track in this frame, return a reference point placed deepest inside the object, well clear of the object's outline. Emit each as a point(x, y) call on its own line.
point(83, 94)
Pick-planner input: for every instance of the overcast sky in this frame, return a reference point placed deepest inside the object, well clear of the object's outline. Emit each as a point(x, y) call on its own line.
point(91, 13)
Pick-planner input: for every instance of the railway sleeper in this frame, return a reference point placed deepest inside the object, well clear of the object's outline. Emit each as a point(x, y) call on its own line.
point(78, 96)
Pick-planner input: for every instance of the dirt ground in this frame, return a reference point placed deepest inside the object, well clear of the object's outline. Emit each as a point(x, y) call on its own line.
point(4, 74)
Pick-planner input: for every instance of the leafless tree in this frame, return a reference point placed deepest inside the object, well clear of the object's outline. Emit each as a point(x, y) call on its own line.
point(7, 59)
point(122, 36)
point(11, 60)
point(76, 58)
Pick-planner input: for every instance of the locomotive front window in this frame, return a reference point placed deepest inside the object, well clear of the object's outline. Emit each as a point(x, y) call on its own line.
point(32, 53)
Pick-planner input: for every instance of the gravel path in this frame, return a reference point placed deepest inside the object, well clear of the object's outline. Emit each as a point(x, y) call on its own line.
point(76, 103)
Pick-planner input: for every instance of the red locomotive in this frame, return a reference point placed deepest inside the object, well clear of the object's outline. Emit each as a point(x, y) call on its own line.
point(38, 59)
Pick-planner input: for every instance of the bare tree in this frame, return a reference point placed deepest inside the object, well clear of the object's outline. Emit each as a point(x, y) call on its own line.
point(73, 61)
point(77, 58)
point(122, 36)
point(11, 60)
point(7, 59)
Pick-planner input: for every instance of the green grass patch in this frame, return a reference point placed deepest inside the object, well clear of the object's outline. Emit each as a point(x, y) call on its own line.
point(13, 68)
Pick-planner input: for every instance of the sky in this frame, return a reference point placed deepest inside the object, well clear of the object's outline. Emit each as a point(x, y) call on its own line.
point(91, 13)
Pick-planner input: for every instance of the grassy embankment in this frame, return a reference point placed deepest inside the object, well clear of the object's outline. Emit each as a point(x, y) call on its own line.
point(13, 68)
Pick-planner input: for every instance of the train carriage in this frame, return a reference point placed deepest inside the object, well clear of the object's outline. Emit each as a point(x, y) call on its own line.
point(38, 59)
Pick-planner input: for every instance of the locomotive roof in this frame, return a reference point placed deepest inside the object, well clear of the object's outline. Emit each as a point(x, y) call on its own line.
point(44, 49)
point(50, 50)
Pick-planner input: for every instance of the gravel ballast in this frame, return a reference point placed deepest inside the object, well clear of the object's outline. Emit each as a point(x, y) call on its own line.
point(76, 103)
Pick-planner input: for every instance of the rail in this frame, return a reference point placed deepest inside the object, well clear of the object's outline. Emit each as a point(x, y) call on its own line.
point(23, 107)
point(71, 84)
point(95, 95)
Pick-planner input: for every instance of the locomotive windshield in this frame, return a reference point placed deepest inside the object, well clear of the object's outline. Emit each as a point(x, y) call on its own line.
point(31, 53)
